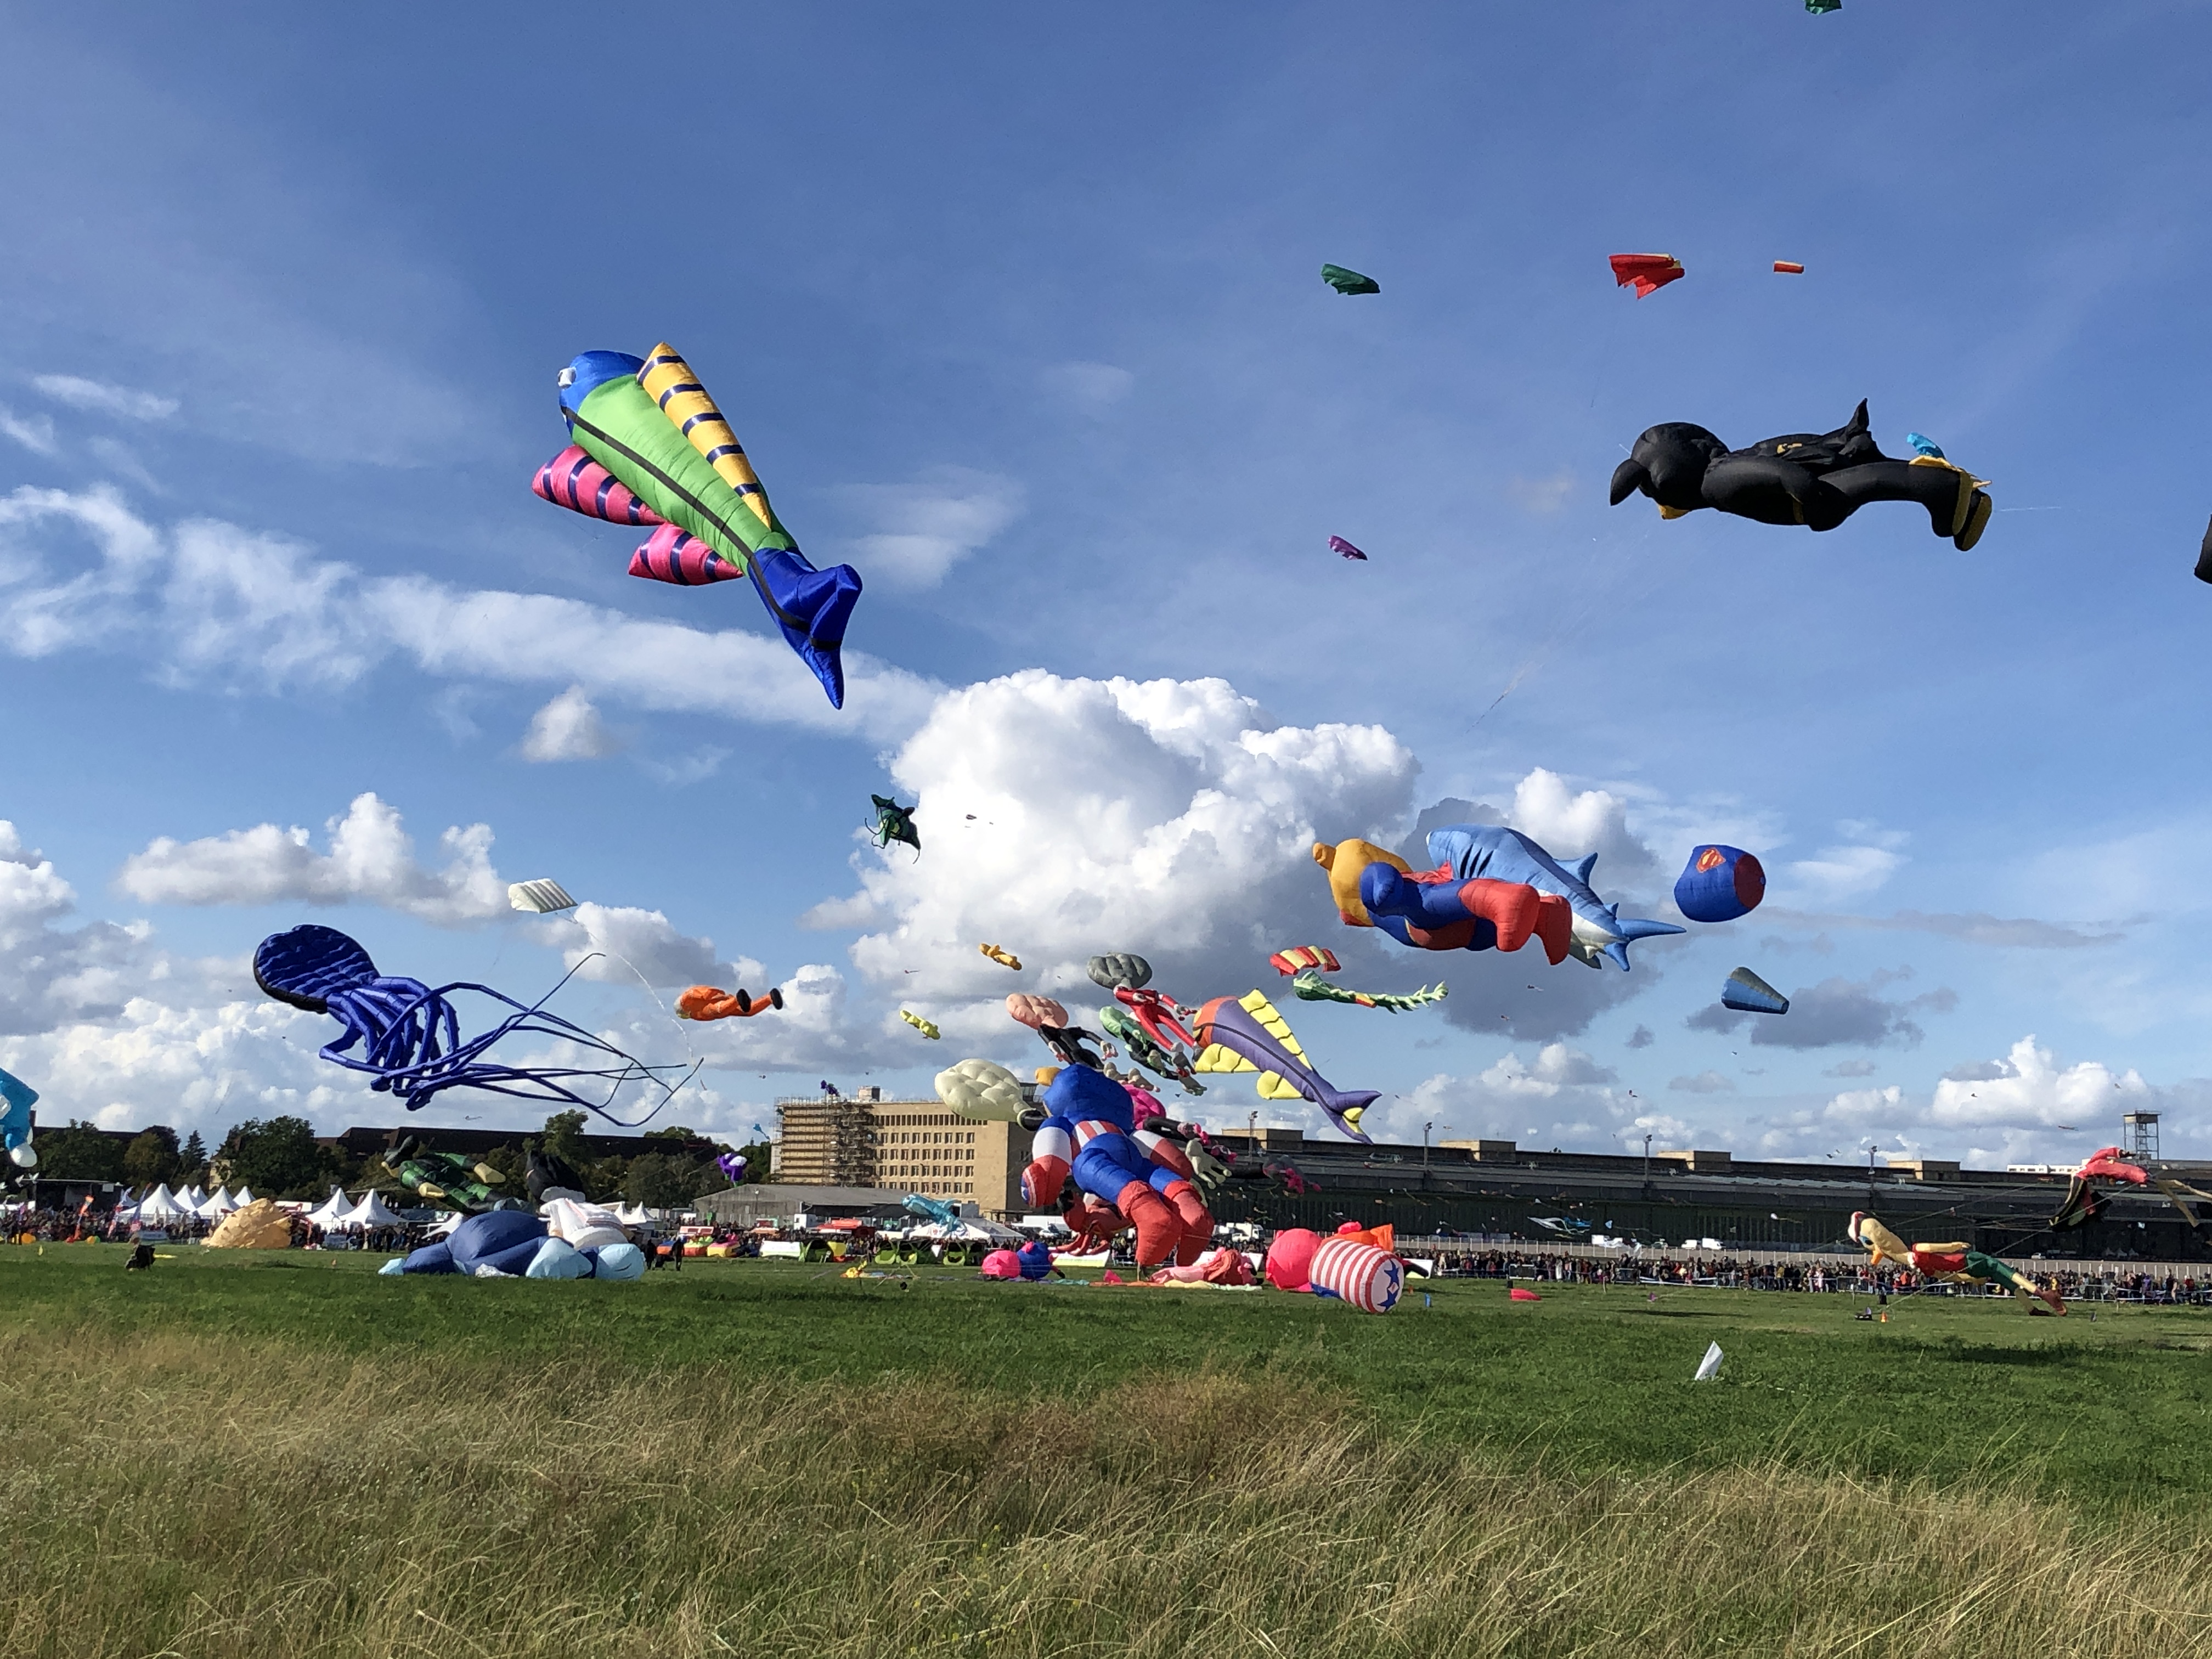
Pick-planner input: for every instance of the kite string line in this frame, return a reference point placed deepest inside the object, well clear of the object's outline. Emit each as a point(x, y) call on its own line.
point(1591, 599)
point(693, 1064)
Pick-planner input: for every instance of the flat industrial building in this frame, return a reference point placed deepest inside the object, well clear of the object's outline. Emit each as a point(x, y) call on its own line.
point(1498, 1188)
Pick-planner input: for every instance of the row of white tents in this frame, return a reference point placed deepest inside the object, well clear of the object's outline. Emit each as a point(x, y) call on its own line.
point(337, 1210)
point(162, 1205)
point(334, 1213)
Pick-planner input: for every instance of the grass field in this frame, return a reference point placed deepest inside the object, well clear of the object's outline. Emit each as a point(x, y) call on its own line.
point(283, 1454)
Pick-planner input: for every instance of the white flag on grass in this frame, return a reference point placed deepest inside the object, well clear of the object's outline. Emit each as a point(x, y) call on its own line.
point(1709, 1366)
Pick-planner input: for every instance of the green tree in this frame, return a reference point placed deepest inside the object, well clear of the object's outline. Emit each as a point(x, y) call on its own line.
point(191, 1160)
point(564, 1137)
point(79, 1153)
point(152, 1158)
point(662, 1182)
point(277, 1159)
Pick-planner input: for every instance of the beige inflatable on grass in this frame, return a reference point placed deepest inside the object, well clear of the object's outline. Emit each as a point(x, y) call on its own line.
point(260, 1226)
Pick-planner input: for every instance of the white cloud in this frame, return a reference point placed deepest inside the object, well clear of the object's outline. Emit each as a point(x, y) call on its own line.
point(1561, 1097)
point(1067, 816)
point(924, 528)
point(1974, 927)
point(207, 601)
point(34, 432)
point(632, 944)
point(687, 769)
point(1091, 387)
point(2023, 1108)
point(1572, 823)
point(2028, 1087)
point(569, 728)
point(1706, 1083)
point(109, 1027)
point(1541, 496)
point(371, 860)
point(99, 398)
point(1868, 857)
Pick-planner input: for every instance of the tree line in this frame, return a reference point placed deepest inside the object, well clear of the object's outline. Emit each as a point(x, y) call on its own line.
point(279, 1158)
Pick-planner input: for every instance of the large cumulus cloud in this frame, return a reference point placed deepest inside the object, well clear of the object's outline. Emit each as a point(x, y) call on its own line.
point(1064, 817)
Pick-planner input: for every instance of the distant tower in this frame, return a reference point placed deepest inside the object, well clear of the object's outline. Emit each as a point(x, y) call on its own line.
point(2142, 1129)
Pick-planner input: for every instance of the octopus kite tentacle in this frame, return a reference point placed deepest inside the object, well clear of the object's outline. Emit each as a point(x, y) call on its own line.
point(408, 1033)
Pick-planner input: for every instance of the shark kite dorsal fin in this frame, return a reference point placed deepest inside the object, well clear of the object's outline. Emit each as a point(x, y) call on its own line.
point(1581, 868)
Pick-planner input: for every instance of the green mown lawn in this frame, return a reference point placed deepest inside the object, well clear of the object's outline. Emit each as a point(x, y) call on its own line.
point(2111, 1409)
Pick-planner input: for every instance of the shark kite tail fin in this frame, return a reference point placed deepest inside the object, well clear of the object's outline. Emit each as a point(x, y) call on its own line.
point(1631, 928)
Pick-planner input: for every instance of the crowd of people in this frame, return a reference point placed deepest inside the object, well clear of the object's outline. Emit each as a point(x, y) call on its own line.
point(2074, 1282)
point(2081, 1282)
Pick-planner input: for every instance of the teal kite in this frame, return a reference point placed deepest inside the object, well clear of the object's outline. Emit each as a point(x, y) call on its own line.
point(1349, 282)
point(895, 823)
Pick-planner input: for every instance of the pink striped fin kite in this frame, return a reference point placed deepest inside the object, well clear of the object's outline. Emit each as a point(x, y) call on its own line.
point(574, 480)
point(671, 555)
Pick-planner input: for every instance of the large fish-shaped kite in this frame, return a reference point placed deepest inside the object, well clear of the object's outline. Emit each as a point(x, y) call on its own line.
point(650, 448)
point(1247, 1035)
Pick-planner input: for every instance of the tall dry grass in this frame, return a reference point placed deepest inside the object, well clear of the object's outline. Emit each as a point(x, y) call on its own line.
point(183, 1496)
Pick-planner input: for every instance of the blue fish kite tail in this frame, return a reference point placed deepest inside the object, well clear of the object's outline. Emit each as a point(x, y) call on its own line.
point(812, 608)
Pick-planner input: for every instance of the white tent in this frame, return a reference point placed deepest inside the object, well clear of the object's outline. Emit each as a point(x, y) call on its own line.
point(219, 1204)
point(332, 1210)
point(245, 1196)
point(190, 1200)
point(161, 1205)
point(371, 1211)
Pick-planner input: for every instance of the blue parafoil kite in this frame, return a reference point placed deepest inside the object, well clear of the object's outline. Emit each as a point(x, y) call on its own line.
point(1748, 994)
point(1719, 883)
point(409, 1035)
point(648, 447)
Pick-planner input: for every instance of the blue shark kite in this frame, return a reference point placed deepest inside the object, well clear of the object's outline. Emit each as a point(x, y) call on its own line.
point(649, 447)
point(1492, 889)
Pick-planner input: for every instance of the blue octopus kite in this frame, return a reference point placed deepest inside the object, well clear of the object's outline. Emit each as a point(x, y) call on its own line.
point(410, 1036)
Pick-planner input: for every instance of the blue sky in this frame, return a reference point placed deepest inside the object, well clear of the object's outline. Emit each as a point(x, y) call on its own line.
point(1017, 308)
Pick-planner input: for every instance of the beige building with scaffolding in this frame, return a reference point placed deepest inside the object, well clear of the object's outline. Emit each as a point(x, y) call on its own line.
point(906, 1145)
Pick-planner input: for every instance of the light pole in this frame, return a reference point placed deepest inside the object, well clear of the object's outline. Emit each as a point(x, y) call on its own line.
point(1426, 1127)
